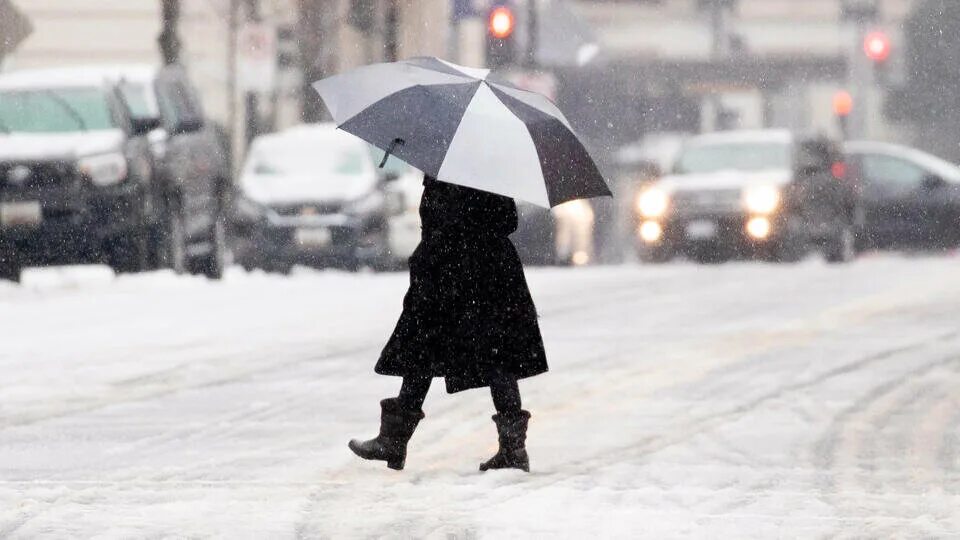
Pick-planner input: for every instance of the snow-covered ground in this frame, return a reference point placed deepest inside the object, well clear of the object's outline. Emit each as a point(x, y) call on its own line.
point(733, 401)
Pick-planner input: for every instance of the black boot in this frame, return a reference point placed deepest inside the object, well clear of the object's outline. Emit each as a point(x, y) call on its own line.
point(396, 427)
point(512, 429)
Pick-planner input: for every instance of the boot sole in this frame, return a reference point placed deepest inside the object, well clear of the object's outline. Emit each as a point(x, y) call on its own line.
point(525, 469)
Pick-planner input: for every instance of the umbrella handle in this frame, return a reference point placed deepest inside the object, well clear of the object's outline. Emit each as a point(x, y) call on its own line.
point(389, 151)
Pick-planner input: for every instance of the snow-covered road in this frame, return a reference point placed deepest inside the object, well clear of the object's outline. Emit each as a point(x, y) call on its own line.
point(742, 400)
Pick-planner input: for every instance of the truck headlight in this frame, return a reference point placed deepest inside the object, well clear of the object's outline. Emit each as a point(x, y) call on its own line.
point(761, 199)
point(104, 169)
point(652, 203)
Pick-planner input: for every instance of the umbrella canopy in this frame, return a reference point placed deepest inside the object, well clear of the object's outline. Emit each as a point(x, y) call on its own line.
point(454, 124)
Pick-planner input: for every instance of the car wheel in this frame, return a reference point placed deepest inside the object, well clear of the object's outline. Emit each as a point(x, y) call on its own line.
point(278, 267)
point(171, 244)
point(129, 253)
point(791, 247)
point(212, 263)
point(842, 248)
point(9, 271)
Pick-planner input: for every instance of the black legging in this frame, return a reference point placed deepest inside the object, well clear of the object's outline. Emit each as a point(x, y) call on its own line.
point(503, 389)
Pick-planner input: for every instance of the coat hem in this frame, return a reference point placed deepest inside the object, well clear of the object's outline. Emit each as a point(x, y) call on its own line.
point(459, 386)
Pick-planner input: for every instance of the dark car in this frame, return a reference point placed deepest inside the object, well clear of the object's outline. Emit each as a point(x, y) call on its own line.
point(192, 169)
point(76, 174)
point(768, 194)
point(313, 195)
point(911, 199)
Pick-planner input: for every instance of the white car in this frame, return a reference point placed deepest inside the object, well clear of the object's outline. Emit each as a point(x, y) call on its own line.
point(314, 195)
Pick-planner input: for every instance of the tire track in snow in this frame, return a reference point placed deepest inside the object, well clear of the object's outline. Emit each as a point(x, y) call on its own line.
point(888, 441)
point(699, 425)
point(137, 389)
point(157, 445)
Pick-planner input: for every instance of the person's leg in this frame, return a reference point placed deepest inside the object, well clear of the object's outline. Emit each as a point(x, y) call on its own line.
point(506, 394)
point(511, 423)
point(398, 420)
point(413, 391)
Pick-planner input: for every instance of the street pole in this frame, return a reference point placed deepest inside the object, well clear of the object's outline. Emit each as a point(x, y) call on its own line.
point(861, 83)
point(718, 52)
point(533, 33)
point(718, 29)
point(169, 38)
point(316, 46)
point(453, 43)
point(251, 99)
point(858, 16)
point(392, 34)
point(232, 30)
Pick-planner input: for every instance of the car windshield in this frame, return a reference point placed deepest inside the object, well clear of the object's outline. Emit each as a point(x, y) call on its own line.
point(55, 110)
point(740, 156)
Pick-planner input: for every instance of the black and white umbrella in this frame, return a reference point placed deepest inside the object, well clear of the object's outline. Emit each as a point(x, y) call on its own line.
point(454, 124)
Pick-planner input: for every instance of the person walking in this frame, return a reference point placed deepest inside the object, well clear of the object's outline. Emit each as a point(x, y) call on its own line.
point(467, 317)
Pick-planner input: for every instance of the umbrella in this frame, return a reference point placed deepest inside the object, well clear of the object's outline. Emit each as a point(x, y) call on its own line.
point(459, 126)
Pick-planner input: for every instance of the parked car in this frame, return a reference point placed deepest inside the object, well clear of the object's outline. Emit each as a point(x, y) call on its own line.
point(314, 195)
point(768, 194)
point(76, 174)
point(910, 198)
point(563, 235)
point(192, 167)
point(174, 177)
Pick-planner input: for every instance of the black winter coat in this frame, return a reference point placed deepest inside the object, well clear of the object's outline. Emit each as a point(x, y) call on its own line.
point(468, 312)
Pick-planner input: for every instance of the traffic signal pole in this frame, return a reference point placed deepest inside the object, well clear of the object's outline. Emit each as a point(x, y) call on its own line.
point(533, 33)
point(859, 15)
point(862, 82)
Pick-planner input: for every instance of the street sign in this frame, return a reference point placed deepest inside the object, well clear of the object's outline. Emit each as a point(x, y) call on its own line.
point(14, 27)
point(257, 57)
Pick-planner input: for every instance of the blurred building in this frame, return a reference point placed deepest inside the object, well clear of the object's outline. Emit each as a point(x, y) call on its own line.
point(764, 63)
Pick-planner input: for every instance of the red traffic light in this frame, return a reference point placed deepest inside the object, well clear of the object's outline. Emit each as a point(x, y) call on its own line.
point(502, 22)
point(842, 103)
point(877, 46)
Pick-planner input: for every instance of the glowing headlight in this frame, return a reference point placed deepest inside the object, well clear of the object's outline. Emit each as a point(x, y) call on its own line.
point(104, 169)
point(579, 210)
point(761, 199)
point(652, 203)
point(758, 227)
point(651, 232)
